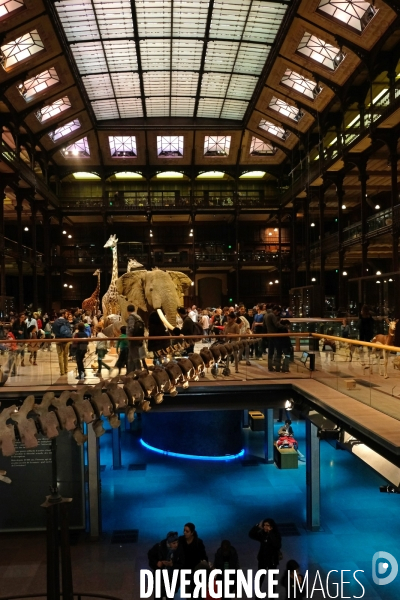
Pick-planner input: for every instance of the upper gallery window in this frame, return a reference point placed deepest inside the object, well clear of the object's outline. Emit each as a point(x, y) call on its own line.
point(353, 13)
point(281, 133)
point(217, 145)
point(320, 51)
point(285, 109)
point(64, 130)
point(122, 145)
point(301, 84)
point(260, 148)
point(53, 109)
point(8, 6)
point(79, 149)
point(37, 84)
point(20, 49)
point(170, 146)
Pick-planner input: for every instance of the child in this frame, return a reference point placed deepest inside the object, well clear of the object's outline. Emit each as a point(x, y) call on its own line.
point(122, 347)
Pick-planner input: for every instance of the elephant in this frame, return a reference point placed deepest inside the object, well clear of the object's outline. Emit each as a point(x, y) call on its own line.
point(153, 290)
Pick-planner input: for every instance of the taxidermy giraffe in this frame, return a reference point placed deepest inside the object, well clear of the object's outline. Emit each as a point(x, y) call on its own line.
point(109, 301)
point(91, 304)
point(386, 340)
point(133, 264)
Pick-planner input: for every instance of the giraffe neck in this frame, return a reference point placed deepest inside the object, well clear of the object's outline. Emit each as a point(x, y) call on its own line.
point(97, 290)
point(114, 276)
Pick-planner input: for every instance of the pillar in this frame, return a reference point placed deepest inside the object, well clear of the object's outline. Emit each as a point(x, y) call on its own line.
point(293, 245)
point(269, 435)
point(3, 291)
point(280, 258)
point(342, 287)
point(94, 484)
point(321, 206)
point(237, 250)
point(34, 257)
point(313, 477)
point(47, 259)
point(307, 236)
point(363, 178)
point(18, 209)
point(116, 448)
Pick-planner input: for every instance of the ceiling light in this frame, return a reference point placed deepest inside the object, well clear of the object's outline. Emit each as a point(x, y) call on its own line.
point(289, 404)
point(344, 207)
point(377, 206)
point(70, 286)
point(169, 175)
point(86, 175)
point(270, 233)
point(378, 282)
point(270, 283)
point(390, 280)
point(382, 93)
point(312, 225)
point(64, 232)
point(211, 175)
point(128, 175)
point(69, 236)
point(65, 284)
point(313, 279)
point(345, 273)
point(26, 228)
point(378, 273)
point(276, 229)
point(276, 280)
point(253, 175)
point(192, 283)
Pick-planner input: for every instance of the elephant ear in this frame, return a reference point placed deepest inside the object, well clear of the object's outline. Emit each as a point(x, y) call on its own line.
point(131, 286)
point(181, 282)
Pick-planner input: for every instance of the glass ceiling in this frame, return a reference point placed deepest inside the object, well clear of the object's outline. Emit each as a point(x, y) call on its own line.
point(161, 58)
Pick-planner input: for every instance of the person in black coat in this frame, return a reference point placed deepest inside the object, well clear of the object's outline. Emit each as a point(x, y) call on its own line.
point(266, 532)
point(166, 554)
point(157, 329)
point(226, 557)
point(192, 546)
point(20, 331)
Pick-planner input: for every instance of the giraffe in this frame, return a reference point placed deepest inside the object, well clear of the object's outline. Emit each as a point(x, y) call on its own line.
point(91, 304)
point(109, 301)
point(133, 264)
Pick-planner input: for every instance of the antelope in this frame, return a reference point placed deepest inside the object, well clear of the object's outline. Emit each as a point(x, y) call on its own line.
point(386, 340)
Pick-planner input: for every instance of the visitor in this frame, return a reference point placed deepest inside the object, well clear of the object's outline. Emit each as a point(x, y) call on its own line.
point(244, 331)
point(193, 314)
point(47, 335)
point(192, 547)
point(167, 554)
point(286, 429)
point(272, 323)
point(81, 349)
point(88, 329)
point(101, 350)
point(289, 582)
point(30, 320)
point(157, 329)
point(344, 329)
point(232, 327)
point(62, 329)
point(187, 328)
point(11, 365)
point(122, 350)
point(135, 328)
point(20, 332)
point(33, 347)
point(257, 329)
point(269, 554)
point(205, 323)
point(216, 322)
point(226, 557)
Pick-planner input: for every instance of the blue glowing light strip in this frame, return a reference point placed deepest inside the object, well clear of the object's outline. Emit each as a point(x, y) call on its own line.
point(192, 456)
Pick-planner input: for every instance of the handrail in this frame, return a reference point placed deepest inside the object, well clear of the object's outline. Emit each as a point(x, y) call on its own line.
point(356, 342)
point(77, 595)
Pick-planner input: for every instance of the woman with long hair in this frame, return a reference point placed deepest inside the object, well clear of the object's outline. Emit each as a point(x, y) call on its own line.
point(192, 546)
point(266, 532)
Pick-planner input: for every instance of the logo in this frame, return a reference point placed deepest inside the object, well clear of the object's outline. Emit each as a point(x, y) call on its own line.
point(384, 568)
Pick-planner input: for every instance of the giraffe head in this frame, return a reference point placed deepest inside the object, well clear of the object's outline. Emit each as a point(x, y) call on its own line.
point(97, 272)
point(111, 242)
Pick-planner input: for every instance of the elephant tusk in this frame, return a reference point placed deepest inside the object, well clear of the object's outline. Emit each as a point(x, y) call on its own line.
point(164, 319)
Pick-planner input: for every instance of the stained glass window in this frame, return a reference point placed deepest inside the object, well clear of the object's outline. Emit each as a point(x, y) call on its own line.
point(37, 84)
point(122, 145)
point(170, 146)
point(8, 6)
point(285, 109)
point(217, 145)
point(20, 49)
point(281, 133)
point(320, 51)
point(64, 130)
point(354, 13)
point(260, 148)
point(79, 149)
point(53, 109)
point(301, 84)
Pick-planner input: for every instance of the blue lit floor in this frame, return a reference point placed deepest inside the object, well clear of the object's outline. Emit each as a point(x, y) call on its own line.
point(225, 500)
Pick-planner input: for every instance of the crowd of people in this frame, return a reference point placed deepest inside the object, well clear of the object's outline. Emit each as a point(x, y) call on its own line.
point(187, 551)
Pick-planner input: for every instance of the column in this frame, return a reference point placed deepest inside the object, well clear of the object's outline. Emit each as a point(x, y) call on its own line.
point(237, 250)
point(94, 484)
point(34, 257)
point(321, 250)
point(47, 259)
point(280, 258)
point(293, 275)
point(20, 265)
point(3, 291)
point(363, 178)
point(342, 288)
point(313, 477)
point(307, 235)
point(269, 435)
point(116, 448)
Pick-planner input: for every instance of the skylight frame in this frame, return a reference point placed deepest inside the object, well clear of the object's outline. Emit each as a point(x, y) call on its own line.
point(260, 148)
point(301, 84)
point(64, 130)
point(53, 110)
point(21, 49)
point(78, 149)
point(8, 7)
point(122, 146)
point(39, 83)
point(354, 14)
point(320, 52)
point(217, 146)
point(170, 146)
point(275, 130)
point(287, 110)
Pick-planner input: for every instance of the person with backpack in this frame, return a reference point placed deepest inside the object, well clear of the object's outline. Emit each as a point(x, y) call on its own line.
point(62, 329)
point(81, 349)
point(135, 328)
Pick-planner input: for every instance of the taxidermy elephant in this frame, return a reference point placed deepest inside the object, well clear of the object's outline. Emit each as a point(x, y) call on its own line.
point(153, 290)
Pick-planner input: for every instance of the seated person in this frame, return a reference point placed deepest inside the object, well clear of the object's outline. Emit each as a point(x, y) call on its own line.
point(286, 429)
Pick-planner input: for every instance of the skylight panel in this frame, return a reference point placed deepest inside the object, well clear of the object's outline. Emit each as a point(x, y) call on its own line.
point(210, 108)
point(105, 109)
point(285, 109)
point(186, 54)
point(157, 106)
point(241, 87)
point(98, 86)
point(260, 148)
point(182, 107)
point(320, 51)
point(130, 108)
point(53, 109)
point(264, 21)
point(9, 6)
point(79, 149)
point(353, 13)
point(155, 54)
point(251, 58)
point(122, 146)
point(121, 56)
point(78, 20)
point(220, 56)
point(114, 18)
point(234, 109)
point(64, 130)
point(229, 18)
point(279, 132)
point(301, 84)
point(37, 84)
point(189, 18)
point(184, 83)
point(156, 83)
point(217, 145)
point(125, 84)
point(154, 19)
point(89, 57)
point(215, 84)
point(20, 49)
point(170, 146)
